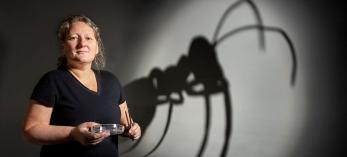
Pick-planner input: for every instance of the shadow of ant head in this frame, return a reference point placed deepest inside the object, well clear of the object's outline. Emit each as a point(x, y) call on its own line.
point(206, 73)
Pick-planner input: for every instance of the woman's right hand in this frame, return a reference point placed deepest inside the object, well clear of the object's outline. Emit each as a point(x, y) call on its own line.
point(82, 134)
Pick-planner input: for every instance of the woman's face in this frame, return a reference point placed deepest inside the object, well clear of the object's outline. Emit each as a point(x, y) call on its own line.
point(80, 45)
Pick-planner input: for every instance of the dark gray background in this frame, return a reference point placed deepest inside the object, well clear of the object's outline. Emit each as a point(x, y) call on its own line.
point(28, 49)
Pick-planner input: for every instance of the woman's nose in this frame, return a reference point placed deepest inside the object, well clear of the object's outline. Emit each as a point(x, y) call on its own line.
point(81, 42)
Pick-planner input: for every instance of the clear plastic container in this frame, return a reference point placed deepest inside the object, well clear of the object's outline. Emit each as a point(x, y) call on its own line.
point(114, 129)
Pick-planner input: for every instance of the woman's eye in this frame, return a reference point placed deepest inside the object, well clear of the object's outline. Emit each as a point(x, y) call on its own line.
point(89, 38)
point(72, 38)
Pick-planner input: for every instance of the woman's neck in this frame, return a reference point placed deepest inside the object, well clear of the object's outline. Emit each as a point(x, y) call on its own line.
point(80, 71)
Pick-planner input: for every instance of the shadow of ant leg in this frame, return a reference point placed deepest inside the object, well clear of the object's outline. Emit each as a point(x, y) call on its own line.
point(207, 125)
point(228, 125)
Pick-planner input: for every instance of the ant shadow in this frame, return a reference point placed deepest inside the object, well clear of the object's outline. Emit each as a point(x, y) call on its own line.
point(199, 73)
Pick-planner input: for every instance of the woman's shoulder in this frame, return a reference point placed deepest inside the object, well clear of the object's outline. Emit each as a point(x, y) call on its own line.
point(53, 74)
point(107, 75)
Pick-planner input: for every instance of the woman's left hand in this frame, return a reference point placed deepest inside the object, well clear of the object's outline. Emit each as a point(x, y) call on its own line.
point(134, 132)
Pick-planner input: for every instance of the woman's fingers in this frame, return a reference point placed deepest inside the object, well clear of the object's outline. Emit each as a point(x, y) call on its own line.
point(83, 135)
point(135, 131)
point(97, 140)
point(98, 137)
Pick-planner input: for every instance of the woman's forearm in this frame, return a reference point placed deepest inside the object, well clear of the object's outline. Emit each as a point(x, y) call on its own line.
point(48, 134)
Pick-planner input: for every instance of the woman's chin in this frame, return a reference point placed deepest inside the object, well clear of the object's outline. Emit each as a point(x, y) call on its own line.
point(83, 61)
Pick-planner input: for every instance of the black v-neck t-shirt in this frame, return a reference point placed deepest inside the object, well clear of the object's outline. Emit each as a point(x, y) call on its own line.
point(73, 104)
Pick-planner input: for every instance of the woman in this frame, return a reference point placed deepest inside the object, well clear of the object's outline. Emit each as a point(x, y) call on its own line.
point(67, 102)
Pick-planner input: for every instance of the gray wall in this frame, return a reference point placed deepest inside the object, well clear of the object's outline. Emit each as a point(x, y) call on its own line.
point(270, 117)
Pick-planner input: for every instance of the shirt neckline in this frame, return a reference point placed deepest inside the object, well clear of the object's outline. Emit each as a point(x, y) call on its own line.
point(96, 73)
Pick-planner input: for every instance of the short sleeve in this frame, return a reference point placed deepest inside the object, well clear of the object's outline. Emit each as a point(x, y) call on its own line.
point(45, 91)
